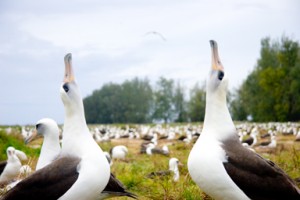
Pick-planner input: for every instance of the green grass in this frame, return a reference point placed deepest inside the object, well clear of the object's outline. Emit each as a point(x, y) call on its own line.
point(15, 139)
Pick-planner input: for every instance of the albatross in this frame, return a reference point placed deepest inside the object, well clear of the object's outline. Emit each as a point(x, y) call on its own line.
point(218, 162)
point(81, 171)
point(10, 169)
point(173, 169)
point(50, 149)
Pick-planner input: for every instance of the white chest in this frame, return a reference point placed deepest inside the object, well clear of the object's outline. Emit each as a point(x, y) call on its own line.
point(205, 165)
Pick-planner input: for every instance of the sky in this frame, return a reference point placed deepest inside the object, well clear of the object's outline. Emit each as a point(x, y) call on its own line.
point(117, 40)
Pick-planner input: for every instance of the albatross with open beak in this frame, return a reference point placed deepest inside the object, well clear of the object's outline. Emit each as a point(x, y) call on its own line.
point(218, 162)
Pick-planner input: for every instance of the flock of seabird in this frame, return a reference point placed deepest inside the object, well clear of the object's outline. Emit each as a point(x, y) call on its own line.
point(222, 162)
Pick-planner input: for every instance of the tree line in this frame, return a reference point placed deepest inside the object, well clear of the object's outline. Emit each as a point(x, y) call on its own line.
point(136, 101)
point(271, 92)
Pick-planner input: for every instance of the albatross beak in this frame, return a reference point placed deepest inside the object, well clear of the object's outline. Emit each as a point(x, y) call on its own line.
point(31, 137)
point(216, 62)
point(69, 75)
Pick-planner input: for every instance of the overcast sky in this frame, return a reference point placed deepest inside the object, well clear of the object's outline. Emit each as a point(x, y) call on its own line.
point(115, 40)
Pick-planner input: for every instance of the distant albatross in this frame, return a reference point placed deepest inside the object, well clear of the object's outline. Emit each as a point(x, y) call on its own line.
point(10, 169)
point(173, 169)
point(218, 162)
point(81, 171)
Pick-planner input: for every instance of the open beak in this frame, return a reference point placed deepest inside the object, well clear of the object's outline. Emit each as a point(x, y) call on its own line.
point(216, 62)
point(31, 137)
point(69, 75)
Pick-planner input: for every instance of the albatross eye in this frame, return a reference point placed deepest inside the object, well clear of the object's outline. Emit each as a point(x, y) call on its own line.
point(220, 75)
point(37, 126)
point(66, 87)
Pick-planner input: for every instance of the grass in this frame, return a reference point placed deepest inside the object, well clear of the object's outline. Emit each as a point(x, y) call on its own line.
point(15, 139)
point(133, 171)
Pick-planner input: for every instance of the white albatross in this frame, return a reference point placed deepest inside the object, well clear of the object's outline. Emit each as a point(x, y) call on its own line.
point(173, 169)
point(81, 171)
point(10, 169)
point(119, 152)
point(50, 149)
point(218, 162)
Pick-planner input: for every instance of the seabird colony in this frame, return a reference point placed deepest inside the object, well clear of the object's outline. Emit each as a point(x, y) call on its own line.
point(220, 165)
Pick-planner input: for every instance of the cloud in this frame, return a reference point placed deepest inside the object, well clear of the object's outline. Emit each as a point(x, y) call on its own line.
point(114, 40)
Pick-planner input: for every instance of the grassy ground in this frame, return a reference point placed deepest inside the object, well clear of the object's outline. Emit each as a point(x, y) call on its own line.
point(133, 171)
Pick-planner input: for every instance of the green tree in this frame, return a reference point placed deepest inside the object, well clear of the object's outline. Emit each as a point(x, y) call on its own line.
point(238, 112)
point(196, 104)
point(103, 106)
point(180, 104)
point(127, 103)
point(163, 100)
point(136, 101)
point(271, 92)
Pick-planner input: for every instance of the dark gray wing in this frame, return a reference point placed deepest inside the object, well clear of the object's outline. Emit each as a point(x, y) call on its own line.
point(159, 151)
point(48, 183)
point(159, 173)
point(249, 141)
point(2, 166)
point(115, 188)
point(257, 177)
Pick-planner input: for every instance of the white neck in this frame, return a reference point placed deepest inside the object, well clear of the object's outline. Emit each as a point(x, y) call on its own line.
point(50, 150)
point(176, 173)
point(75, 128)
point(217, 117)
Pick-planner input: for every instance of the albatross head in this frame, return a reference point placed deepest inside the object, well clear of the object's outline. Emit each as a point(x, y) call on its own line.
point(11, 154)
point(45, 127)
point(10, 151)
point(69, 91)
point(217, 117)
point(217, 81)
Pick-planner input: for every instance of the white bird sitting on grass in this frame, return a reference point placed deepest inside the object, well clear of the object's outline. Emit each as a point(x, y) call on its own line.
point(10, 169)
point(119, 152)
point(151, 149)
point(173, 169)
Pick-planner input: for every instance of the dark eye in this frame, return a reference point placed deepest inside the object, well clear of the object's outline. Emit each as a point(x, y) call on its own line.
point(220, 75)
point(66, 87)
point(37, 126)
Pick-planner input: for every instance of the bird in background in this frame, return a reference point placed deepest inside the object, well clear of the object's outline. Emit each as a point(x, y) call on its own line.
point(173, 169)
point(10, 168)
point(50, 150)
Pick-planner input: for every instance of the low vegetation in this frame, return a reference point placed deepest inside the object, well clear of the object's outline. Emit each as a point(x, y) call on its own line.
point(15, 139)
